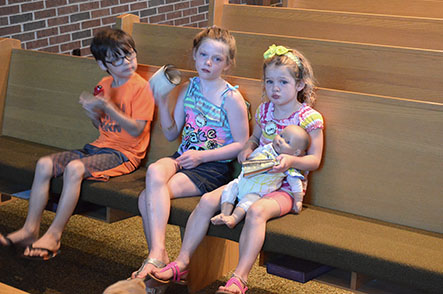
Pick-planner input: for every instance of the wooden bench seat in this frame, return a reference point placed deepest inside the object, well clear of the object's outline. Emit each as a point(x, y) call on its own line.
point(418, 8)
point(382, 159)
point(355, 67)
point(425, 33)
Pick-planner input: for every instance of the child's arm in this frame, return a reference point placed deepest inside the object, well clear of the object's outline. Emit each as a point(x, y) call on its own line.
point(238, 120)
point(251, 144)
point(172, 125)
point(102, 103)
point(311, 161)
point(89, 103)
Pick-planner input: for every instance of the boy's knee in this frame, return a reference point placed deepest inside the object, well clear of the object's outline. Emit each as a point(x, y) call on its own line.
point(75, 170)
point(44, 166)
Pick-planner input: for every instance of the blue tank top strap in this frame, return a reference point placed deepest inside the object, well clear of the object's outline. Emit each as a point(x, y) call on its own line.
point(228, 88)
point(191, 86)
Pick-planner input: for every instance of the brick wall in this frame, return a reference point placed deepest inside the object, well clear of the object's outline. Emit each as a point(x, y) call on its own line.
point(61, 26)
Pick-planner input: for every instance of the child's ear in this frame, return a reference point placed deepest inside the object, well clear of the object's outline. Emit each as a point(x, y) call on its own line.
point(227, 67)
point(300, 85)
point(297, 152)
point(102, 65)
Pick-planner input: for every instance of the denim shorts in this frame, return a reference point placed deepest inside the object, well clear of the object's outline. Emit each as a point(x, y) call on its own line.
point(208, 176)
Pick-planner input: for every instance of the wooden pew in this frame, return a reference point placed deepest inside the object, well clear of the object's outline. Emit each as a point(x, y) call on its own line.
point(390, 146)
point(418, 8)
point(6, 46)
point(381, 70)
point(425, 33)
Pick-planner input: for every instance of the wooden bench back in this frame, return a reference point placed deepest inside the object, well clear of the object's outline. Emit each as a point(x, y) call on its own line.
point(382, 155)
point(42, 98)
point(6, 46)
point(418, 8)
point(382, 159)
point(425, 33)
point(42, 101)
point(381, 70)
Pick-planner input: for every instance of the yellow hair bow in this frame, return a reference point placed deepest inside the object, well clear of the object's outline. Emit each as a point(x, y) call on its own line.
point(280, 51)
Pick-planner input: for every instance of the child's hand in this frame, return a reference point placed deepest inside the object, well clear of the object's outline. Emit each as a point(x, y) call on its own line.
point(88, 101)
point(190, 159)
point(103, 103)
point(285, 163)
point(243, 155)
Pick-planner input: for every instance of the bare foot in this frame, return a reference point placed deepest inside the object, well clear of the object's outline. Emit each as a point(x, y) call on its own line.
point(21, 237)
point(217, 220)
point(230, 221)
point(47, 241)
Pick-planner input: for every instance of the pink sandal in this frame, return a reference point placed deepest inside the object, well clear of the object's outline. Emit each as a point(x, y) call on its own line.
point(236, 280)
point(176, 274)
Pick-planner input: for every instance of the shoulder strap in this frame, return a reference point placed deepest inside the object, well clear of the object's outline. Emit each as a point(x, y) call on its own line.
point(228, 88)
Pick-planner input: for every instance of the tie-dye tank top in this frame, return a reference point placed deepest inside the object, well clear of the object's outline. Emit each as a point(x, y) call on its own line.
point(206, 124)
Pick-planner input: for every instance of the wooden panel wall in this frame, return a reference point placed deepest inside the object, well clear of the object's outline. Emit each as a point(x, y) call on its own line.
point(425, 33)
point(418, 8)
point(381, 70)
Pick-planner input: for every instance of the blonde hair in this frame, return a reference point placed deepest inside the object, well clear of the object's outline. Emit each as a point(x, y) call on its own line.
point(300, 69)
point(218, 34)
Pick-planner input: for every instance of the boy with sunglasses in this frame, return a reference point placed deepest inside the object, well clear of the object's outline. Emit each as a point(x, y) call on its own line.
point(122, 109)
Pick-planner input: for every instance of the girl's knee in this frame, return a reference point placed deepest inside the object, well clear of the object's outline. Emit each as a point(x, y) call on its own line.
point(142, 202)
point(155, 173)
point(256, 213)
point(44, 166)
point(208, 203)
point(75, 170)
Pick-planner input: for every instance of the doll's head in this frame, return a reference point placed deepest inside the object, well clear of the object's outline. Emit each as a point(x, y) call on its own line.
point(292, 140)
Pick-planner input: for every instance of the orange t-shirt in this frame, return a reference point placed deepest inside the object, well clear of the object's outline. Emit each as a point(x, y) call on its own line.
point(134, 98)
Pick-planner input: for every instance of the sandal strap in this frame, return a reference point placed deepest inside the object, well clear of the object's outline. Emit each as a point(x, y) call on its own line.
point(239, 282)
point(154, 261)
point(176, 273)
point(245, 284)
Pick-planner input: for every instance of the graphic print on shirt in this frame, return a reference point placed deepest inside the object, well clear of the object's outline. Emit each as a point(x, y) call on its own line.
point(200, 137)
point(270, 130)
point(107, 124)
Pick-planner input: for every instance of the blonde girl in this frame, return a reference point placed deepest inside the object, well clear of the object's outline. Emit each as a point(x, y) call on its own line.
point(203, 115)
point(288, 84)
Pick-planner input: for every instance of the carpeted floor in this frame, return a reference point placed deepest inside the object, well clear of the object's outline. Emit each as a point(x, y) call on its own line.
point(95, 254)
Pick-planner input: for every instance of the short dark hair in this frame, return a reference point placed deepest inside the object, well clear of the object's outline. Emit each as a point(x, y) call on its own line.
point(111, 40)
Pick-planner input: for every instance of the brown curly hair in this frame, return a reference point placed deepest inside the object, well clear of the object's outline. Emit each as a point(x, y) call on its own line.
point(300, 71)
